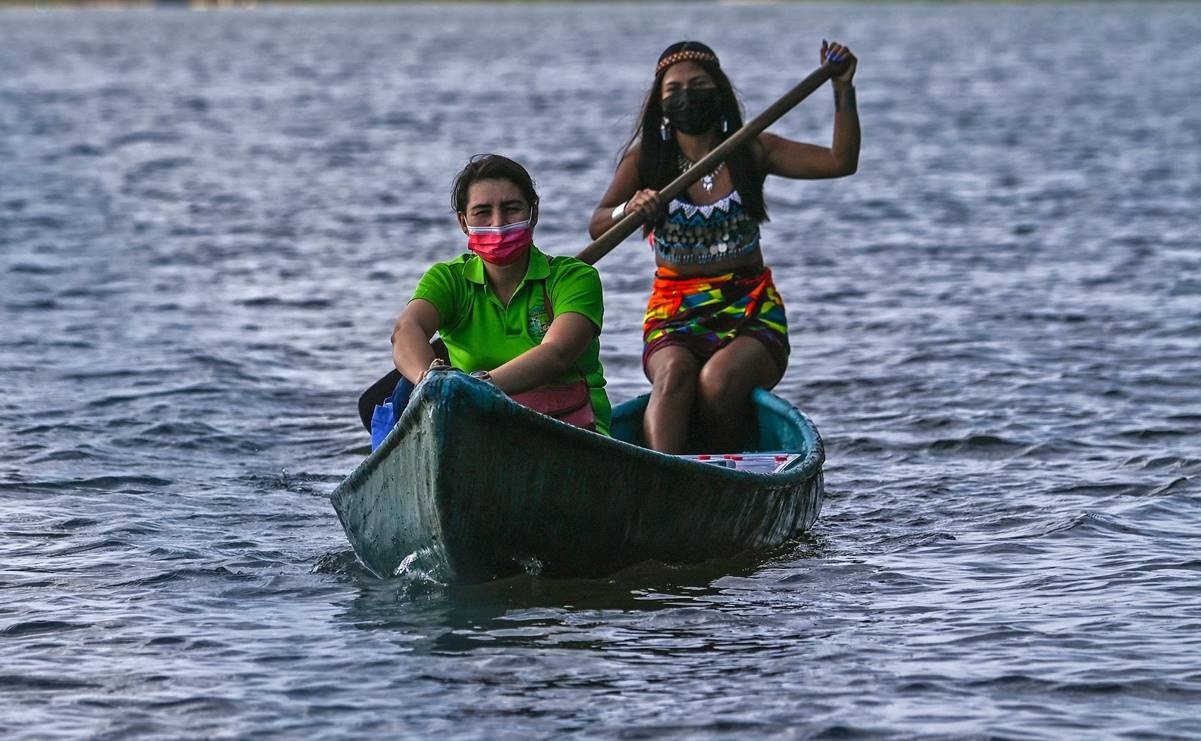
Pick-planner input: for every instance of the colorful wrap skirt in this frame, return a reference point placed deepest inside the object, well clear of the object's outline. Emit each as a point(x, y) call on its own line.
point(706, 313)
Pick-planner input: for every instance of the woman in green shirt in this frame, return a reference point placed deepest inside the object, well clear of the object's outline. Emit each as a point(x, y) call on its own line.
point(505, 311)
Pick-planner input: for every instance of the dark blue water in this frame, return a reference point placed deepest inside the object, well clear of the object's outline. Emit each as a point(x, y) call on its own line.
point(209, 220)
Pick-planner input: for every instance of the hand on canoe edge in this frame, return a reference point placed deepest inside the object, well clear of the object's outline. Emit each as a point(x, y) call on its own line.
point(440, 365)
point(437, 364)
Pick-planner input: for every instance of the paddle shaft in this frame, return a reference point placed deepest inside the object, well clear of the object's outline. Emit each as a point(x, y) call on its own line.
point(630, 222)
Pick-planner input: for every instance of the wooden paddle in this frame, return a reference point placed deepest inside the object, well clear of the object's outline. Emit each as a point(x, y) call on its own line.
point(382, 389)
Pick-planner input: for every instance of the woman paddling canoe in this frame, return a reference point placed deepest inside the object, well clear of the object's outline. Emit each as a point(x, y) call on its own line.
point(715, 326)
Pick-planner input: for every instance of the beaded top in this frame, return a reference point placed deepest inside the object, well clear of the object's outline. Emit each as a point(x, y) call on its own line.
point(692, 234)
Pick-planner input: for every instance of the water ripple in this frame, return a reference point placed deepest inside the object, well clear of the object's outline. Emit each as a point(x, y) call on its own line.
point(210, 221)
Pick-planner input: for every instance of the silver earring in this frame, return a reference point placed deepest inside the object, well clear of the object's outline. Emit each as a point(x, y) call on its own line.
point(725, 125)
point(665, 129)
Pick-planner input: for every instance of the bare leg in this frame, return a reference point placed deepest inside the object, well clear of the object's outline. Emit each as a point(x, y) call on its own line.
point(724, 392)
point(672, 371)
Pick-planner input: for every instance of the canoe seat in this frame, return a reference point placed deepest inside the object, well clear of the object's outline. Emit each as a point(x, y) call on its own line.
point(753, 462)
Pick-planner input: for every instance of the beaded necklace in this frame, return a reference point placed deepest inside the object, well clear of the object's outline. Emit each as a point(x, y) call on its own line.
point(707, 178)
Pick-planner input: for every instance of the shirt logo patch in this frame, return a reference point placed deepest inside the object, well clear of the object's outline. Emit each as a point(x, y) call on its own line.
point(539, 321)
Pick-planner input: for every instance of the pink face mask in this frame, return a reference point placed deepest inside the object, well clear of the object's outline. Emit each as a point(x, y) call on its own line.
point(500, 245)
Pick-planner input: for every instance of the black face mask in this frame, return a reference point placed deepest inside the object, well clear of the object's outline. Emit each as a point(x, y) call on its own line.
point(693, 110)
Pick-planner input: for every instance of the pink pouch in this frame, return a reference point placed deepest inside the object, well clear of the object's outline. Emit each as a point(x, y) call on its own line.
point(567, 402)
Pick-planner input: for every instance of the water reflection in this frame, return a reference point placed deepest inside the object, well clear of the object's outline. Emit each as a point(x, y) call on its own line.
point(526, 611)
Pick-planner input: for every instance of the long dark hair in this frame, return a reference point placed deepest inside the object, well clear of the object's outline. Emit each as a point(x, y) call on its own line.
point(659, 161)
point(491, 167)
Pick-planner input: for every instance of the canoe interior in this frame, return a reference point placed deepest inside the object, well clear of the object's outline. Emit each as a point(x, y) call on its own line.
point(778, 426)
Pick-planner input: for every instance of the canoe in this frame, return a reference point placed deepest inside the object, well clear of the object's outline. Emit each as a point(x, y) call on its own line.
point(470, 486)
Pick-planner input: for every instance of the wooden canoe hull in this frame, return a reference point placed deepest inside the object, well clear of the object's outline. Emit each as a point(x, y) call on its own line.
point(470, 487)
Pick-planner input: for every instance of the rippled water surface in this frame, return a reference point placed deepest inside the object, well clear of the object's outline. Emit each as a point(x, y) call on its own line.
point(209, 220)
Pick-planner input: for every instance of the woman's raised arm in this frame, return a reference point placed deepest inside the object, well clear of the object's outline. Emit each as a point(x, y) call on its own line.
point(792, 159)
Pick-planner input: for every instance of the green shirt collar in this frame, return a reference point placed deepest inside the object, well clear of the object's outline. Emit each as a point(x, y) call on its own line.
point(538, 269)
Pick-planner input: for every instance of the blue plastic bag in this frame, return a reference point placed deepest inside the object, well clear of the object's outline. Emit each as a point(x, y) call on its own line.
point(385, 416)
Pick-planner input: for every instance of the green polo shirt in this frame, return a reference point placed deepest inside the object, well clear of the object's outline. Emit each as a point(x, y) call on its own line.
point(481, 333)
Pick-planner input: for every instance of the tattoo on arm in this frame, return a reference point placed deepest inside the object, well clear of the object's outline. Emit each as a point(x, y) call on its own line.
point(844, 100)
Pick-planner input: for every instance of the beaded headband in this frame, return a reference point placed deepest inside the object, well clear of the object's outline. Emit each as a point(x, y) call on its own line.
point(688, 55)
